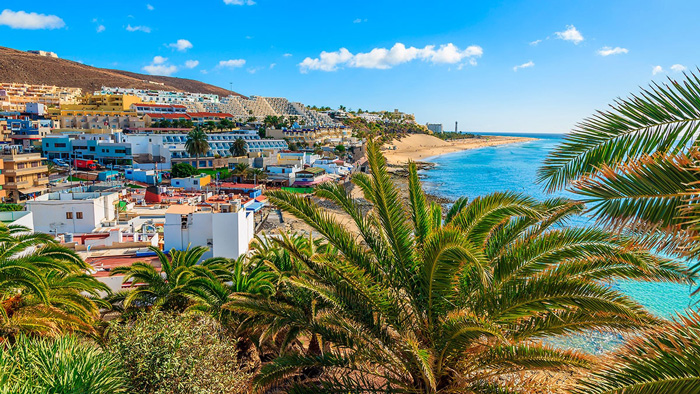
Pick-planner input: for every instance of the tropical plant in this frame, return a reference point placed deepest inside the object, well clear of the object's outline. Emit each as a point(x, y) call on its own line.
point(166, 353)
point(43, 286)
point(277, 333)
point(663, 361)
point(64, 365)
point(636, 165)
point(422, 303)
point(183, 170)
point(197, 143)
point(239, 147)
point(209, 296)
point(168, 288)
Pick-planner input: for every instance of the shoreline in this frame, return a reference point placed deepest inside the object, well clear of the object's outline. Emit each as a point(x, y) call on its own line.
point(424, 147)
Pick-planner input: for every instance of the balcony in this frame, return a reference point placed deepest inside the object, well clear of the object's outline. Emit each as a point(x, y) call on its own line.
point(26, 170)
point(18, 184)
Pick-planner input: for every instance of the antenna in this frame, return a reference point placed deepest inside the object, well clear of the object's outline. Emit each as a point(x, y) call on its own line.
point(231, 84)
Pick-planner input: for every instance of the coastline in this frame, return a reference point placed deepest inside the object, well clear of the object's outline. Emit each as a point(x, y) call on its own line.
point(424, 147)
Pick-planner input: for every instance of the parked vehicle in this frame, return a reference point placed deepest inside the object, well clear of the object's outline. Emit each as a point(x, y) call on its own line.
point(89, 165)
point(60, 162)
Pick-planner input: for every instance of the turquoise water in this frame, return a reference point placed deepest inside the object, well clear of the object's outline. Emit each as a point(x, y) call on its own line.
point(514, 167)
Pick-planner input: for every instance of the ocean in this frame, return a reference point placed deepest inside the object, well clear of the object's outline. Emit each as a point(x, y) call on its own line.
point(514, 167)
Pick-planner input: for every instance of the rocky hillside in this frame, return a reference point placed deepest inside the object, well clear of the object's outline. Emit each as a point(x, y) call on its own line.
point(23, 67)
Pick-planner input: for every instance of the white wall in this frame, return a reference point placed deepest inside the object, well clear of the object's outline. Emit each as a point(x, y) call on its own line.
point(226, 234)
point(49, 212)
point(20, 218)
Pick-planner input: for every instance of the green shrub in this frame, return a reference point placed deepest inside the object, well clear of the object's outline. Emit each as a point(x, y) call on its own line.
point(66, 365)
point(165, 353)
point(11, 207)
point(183, 170)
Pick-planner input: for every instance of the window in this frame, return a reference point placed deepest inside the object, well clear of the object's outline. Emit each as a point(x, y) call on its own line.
point(78, 215)
point(69, 215)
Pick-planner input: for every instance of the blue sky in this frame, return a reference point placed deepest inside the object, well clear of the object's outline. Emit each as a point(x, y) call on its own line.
point(445, 61)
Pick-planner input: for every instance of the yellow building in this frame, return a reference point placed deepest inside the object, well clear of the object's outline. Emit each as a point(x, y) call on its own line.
point(100, 104)
point(25, 175)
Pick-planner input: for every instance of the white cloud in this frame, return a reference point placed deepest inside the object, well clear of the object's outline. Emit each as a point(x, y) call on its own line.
point(359, 20)
point(570, 34)
point(253, 70)
point(150, 7)
point(656, 70)
point(144, 29)
point(272, 65)
point(239, 2)
point(159, 66)
point(382, 58)
point(679, 68)
point(232, 63)
point(287, 55)
point(101, 28)
point(192, 63)
point(524, 65)
point(607, 51)
point(181, 45)
point(534, 43)
point(30, 20)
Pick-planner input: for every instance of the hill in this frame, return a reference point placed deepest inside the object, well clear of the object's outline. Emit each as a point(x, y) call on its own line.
point(23, 67)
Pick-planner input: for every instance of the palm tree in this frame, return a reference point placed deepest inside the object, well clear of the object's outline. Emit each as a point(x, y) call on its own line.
point(209, 295)
point(43, 286)
point(636, 165)
point(168, 289)
point(419, 303)
point(283, 332)
point(197, 144)
point(665, 360)
point(241, 170)
point(255, 174)
point(239, 147)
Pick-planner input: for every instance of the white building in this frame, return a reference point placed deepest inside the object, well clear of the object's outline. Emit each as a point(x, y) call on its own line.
point(335, 166)
point(18, 218)
point(73, 212)
point(226, 232)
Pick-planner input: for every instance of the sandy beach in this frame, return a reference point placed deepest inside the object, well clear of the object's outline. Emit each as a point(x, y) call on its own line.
point(418, 147)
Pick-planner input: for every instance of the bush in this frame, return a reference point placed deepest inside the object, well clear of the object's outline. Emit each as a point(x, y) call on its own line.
point(165, 353)
point(65, 365)
point(183, 170)
point(11, 207)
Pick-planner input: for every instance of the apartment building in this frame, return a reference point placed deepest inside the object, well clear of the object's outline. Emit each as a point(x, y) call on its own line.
point(435, 127)
point(15, 96)
point(26, 174)
point(161, 96)
point(101, 122)
point(150, 108)
point(100, 104)
point(313, 135)
point(170, 148)
point(103, 148)
point(73, 212)
point(27, 132)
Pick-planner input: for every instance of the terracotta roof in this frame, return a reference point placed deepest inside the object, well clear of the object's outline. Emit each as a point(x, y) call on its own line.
point(229, 185)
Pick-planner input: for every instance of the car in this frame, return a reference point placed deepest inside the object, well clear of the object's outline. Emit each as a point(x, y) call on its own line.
point(60, 163)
